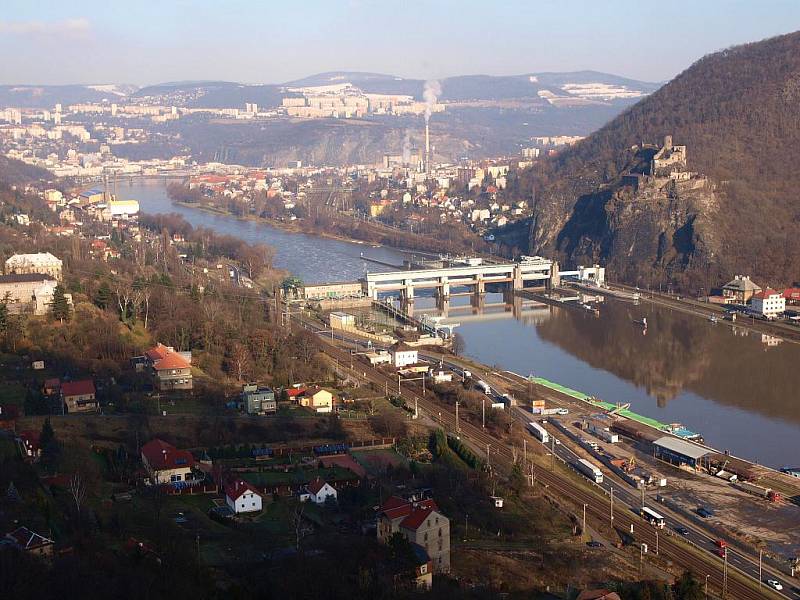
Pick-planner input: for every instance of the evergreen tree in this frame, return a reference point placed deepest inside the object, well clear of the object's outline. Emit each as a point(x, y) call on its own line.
point(47, 435)
point(4, 315)
point(12, 494)
point(102, 298)
point(60, 306)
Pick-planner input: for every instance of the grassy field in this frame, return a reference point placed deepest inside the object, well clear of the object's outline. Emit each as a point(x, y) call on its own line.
point(297, 476)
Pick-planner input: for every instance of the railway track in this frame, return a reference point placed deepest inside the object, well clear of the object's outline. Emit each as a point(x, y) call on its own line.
point(681, 553)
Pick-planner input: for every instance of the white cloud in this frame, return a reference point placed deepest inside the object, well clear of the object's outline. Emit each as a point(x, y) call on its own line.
point(75, 27)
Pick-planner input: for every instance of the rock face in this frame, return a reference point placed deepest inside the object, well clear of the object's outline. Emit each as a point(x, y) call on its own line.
point(645, 228)
point(625, 198)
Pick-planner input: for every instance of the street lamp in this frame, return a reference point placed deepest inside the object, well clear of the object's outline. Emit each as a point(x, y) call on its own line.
point(707, 576)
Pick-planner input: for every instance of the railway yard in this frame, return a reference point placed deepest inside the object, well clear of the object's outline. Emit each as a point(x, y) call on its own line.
point(762, 536)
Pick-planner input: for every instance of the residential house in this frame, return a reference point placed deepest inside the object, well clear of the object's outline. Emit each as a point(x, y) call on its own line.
point(164, 463)
point(241, 496)
point(52, 386)
point(78, 396)
point(29, 292)
point(320, 399)
point(319, 491)
point(171, 370)
point(31, 542)
point(258, 400)
point(792, 295)
point(295, 392)
point(768, 303)
point(741, 288)
point(421, 523)
point(41, 263)
point(403, 355)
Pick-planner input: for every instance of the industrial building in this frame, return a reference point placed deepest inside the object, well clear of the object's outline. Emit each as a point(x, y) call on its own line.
point(679, 452)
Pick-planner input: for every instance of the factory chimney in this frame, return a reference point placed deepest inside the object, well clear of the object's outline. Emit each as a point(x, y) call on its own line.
point(427, 149)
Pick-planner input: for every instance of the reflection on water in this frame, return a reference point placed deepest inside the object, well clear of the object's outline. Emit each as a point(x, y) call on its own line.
point(738, 391)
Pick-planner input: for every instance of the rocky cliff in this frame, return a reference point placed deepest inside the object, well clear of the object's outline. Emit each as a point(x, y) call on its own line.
point(738, 114)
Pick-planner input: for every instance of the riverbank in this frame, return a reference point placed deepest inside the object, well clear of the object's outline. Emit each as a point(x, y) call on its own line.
point(783, 331)
point(384, 232)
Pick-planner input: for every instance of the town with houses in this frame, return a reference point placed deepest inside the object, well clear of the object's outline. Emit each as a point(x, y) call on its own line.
point(247, 435)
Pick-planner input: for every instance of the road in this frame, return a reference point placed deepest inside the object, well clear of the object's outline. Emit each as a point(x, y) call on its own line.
point(695, 551)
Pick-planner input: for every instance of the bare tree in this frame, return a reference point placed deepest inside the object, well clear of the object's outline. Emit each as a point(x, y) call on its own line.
point(240, 360)
point(298, 525)
point(77, 489)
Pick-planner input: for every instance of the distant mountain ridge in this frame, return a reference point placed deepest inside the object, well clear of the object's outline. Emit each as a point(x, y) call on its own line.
point(230, 94)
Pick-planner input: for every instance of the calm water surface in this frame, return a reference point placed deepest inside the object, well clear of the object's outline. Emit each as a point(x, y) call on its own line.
point(740, 392)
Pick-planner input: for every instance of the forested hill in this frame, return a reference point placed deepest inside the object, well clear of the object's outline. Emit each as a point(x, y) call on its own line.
point(16, 172)
point(738, 113)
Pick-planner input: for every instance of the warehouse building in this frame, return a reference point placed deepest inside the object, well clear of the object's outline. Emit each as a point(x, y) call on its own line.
point(679, 452)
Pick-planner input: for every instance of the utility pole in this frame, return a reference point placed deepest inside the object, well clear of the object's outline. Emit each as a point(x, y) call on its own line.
point(707, 576)
point(725, 575)
point(483, 413)
point(656, 541)
point(416, 409)
point(583, 531)
point(525, 451)
point(398, 383)
point(552, 454)
point(641, 559)
point(457, 426)
point(488, 464)
point(612, 508)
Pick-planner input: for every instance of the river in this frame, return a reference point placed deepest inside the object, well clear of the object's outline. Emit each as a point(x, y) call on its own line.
point(733, 386)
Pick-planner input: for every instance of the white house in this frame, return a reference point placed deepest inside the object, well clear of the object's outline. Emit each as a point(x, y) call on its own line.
point(242, 497)
point(319, 491)
point(321, 400)
point(768, 303)
point(403, 355)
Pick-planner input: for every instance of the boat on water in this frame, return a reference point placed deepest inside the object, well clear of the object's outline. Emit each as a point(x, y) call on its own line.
point(642, 322)
point(713, 319)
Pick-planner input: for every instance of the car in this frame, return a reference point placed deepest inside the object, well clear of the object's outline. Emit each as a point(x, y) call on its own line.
point(682, 530)
point(774, 584)
point(721, 544)
point(562, 411)
point(705, 512)
point(594, 544)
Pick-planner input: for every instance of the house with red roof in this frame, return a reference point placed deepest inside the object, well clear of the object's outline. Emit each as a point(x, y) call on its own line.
point(171, 370)
point(318, 491)
point(78, 396)
point(421, 523)
point(792, 295)
point(164, 463)
point(31, 542)
point(241, 496)
point(768, 303)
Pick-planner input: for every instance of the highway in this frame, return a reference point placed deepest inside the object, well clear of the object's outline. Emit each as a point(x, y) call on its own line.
point(695, 551)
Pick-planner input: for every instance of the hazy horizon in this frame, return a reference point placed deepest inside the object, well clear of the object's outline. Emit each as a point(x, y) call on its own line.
point(88, 42)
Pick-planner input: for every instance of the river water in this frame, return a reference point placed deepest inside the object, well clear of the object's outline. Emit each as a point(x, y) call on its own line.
point(733, 386)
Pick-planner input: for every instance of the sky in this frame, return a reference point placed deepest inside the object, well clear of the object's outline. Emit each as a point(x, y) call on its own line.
point(274, 41)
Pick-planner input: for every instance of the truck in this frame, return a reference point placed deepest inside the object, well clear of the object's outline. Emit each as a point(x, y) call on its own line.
point(539, 432)
point(590, 470)
point(758, 490)
point(483, 386)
